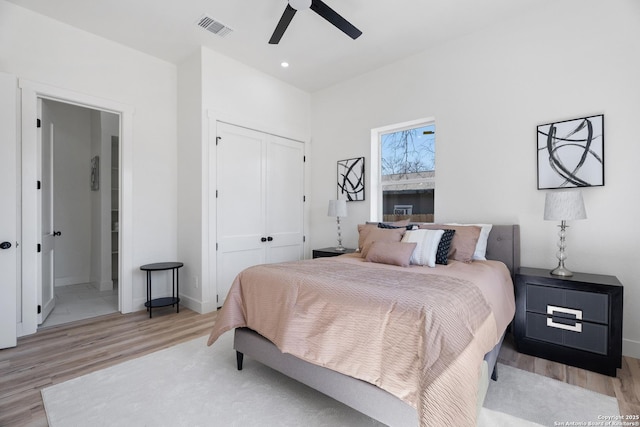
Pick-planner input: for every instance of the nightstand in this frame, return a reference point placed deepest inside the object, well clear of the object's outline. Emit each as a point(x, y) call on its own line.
point(327, 252)
point(573, 320)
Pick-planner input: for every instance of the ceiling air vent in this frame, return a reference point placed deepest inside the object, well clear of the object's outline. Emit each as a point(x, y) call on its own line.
point(211, 25)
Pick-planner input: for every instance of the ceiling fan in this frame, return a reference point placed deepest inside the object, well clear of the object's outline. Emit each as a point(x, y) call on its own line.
point(319, 7)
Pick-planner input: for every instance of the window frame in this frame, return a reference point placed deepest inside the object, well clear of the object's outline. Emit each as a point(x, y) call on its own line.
point(375, 172)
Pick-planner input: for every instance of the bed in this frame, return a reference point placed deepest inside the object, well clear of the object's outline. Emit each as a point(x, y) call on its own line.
point(415, 388)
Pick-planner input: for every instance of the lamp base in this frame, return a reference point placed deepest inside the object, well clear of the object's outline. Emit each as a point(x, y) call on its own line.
point(561, 271)
point(340, 248)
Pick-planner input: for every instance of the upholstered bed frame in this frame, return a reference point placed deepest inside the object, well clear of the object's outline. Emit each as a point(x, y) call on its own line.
point(503, 245)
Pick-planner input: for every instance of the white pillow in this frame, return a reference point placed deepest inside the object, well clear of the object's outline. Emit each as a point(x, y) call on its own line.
point(481, 246)
point(427, 245)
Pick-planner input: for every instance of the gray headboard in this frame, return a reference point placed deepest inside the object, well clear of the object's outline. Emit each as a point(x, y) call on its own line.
point(504, 245)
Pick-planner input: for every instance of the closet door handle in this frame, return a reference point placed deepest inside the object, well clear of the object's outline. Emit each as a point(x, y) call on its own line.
point(263, 239)
point(270, 239)
point(57, 233)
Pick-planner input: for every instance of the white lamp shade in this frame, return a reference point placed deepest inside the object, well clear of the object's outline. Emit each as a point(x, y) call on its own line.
point(337, 208)
point(564, 206)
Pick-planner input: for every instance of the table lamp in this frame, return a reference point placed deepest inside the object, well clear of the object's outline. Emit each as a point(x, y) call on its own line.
point(338, 208)
point(563, 206)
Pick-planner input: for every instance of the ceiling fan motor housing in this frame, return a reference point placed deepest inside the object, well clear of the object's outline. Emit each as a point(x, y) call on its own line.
point(300, 4)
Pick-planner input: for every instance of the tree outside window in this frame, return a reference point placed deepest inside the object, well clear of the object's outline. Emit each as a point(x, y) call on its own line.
point(407, 167)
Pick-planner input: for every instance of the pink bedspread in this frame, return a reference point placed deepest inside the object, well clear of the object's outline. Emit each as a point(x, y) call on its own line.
point(419, 333)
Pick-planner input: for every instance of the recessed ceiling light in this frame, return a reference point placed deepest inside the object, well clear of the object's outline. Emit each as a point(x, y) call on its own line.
point(284, 64)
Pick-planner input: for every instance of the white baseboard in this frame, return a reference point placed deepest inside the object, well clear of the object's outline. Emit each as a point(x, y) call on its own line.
point(66, 281)
point(197, 306)
point(631, 348)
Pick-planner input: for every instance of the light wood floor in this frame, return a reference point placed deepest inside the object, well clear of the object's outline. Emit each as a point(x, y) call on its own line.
point(625, 386)
point(60, 353)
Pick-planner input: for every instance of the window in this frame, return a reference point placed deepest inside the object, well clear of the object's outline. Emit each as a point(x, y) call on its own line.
point(403, 172)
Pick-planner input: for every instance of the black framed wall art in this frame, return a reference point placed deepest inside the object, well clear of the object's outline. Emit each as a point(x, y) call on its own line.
point(571, 153)
point(351, 179)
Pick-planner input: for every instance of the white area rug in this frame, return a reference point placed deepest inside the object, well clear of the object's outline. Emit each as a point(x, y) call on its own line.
point(546, 401)
point(194, 385)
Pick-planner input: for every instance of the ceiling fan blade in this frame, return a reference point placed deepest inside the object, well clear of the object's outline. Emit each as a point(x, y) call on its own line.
point(284, 22)
point(332, 16)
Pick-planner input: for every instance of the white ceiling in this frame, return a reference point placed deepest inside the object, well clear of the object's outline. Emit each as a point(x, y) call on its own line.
point(320, 55)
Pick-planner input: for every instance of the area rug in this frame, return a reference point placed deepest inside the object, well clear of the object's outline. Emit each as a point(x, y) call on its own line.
point(191, 384)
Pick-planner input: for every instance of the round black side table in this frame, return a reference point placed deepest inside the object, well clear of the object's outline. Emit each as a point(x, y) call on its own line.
point(165, 301)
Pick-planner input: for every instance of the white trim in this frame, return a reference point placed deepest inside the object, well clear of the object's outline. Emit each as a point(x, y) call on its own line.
point(218, 116)
point(31, 91)
point(197, 306)
point(375, 179)
point(631, 348)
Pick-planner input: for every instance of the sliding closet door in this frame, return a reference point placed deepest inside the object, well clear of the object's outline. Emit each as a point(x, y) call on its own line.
point(260, 182)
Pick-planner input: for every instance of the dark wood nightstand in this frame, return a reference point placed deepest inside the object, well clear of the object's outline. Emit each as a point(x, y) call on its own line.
point(327, 252)
point(573, 320)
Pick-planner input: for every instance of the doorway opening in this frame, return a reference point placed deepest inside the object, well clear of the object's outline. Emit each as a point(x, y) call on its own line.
point(79, 212)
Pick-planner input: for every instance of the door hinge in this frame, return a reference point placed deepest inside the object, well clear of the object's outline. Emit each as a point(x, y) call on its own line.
point(218, 138)
point(216, 194)
point(304, 199)
point(38, 123)
point(39, 309)
point(39, 248)
point(304, 239)
point(38, 185)
point(217, 297)
point(216, 246)
point(304, 159)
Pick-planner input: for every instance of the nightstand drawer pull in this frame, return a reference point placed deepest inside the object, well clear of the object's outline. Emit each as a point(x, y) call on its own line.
point(554, 310)
point(575, 328)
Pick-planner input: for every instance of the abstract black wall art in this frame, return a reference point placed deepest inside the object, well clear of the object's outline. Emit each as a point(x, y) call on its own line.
point(571, 153)
point(351, 179)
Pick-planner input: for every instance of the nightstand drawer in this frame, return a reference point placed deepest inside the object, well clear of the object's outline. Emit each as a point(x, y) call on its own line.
point(575, 320)
point(594, 307)
point(585, 336)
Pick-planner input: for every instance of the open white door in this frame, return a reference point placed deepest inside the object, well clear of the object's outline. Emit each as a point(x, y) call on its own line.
point(8, 214)
point(46, 297)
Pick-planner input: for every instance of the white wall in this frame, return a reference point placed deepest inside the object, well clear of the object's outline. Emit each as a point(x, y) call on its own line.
point(191, 241)
point(43, 50)
point(215, 87)
point(488, 92)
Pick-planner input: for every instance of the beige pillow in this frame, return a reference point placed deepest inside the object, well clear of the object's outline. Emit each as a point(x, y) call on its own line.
point(363, 232)
point(464, 240)
point(394, 253)
point(371, 233)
